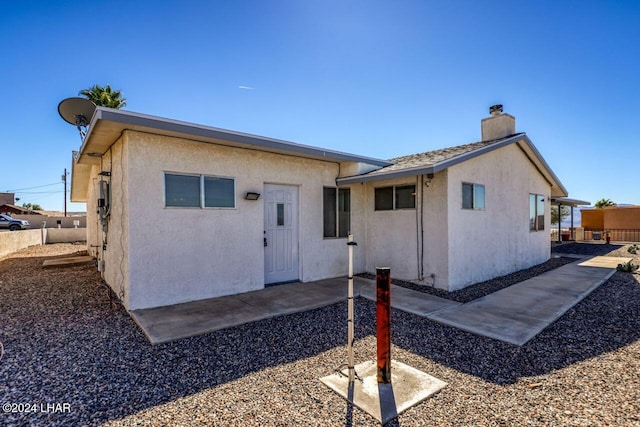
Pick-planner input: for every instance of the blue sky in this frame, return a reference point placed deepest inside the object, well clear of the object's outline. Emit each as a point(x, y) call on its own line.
point(376, 78)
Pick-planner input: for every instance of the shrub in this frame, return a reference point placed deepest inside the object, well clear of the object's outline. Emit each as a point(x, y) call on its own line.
point(627, 267)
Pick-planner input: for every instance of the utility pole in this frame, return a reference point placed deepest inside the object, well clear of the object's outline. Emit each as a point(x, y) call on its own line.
point(64, 179)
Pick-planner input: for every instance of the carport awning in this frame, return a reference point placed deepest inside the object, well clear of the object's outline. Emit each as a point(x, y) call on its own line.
point(565, 201)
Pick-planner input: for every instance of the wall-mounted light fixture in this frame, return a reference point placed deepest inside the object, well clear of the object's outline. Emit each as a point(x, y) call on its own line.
point(427, 183)
point(105, 173)
point(250, 195)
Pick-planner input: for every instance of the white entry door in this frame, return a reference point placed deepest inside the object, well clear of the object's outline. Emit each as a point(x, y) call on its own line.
point(280, 233)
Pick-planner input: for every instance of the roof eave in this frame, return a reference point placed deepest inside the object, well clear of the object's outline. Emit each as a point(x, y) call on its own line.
point(565, 201)
point(427, 169)
point(80, 174)
point(557, 189)
point(136, 121)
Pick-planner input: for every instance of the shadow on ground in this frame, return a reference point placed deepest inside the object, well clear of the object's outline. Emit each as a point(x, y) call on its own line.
point(604, 321)
point(64, 343)
point(595, 249)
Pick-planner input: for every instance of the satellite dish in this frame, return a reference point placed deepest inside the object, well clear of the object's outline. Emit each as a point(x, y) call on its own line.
point(78, 112)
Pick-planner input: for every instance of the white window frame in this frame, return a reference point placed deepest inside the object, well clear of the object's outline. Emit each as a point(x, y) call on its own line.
point(474, 207)
point(535, 227)
point(202, 193)
point(336, 212)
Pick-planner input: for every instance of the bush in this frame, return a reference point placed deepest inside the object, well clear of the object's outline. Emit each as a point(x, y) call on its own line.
point(627, 267)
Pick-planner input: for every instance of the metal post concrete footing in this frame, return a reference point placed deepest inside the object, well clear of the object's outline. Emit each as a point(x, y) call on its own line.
point(383, 323)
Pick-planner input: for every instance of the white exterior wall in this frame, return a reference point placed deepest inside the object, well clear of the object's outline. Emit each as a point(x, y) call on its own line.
point(397, 239)
point(484, 244)
point(391, 236)
point(93, 240)
point(184, 254)
point(116, 255)
point(436, 223)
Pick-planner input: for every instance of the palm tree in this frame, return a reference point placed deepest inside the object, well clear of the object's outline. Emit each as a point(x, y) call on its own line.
point(603, 203)
point(104, 96)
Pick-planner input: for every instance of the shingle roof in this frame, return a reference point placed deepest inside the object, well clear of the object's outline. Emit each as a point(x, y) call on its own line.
point(435, 161)
point(19, 208)
point(431, 158)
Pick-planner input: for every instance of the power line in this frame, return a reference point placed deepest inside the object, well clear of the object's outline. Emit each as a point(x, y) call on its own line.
point(40, 192)
point(29, 188)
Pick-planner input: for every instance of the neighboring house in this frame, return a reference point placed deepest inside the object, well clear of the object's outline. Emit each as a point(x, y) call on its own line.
point(7, 199)
point(11, 209)
point(622, 222)
point(178, 221)
point(612, 217)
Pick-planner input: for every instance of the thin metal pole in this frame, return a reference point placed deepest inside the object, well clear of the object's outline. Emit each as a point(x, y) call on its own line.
point(351, 244)
point(559, 223)
point(64, 178)
point(573, 237)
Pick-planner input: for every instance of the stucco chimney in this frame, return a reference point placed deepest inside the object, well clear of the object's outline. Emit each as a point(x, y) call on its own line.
point(498, 125)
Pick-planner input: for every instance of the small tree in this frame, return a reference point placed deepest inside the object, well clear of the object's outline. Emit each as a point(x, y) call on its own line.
point(603, 203)
point(564, 212)
point(32, 207)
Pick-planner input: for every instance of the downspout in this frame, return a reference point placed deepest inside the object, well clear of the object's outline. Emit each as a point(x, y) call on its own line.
point(420, 229)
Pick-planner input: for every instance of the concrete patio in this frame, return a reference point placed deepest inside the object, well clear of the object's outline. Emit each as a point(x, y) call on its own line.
point(515, 314)
point(164, 324)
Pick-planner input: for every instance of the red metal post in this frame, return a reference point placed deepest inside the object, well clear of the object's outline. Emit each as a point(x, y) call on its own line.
point(383, 323)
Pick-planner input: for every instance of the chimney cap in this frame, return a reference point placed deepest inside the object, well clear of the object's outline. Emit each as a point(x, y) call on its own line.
point(495, 109)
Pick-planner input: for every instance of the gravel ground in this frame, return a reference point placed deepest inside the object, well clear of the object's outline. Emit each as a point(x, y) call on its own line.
point(65, 344)
point(578, 248)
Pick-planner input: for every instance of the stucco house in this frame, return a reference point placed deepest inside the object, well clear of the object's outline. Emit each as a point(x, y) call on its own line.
point(180, 212)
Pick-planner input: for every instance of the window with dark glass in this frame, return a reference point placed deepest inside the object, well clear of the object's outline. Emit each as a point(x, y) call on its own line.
point(472, 196)
point(197, 191)
point(219, 192)
point(395, 197)
point(344, 212)
point(280, 214)
point(182, 190)
point(384, 198)
point(536, 212)
point(336, 211)
point(405, 196)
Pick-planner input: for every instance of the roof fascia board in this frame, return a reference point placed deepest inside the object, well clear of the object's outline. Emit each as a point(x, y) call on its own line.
point(565, 201)
point(97, 115)
point(420, 170)
point(195, 130)
point(545, 165)
point(80, 174)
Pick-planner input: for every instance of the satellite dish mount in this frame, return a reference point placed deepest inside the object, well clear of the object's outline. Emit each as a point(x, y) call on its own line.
point(78, 112)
